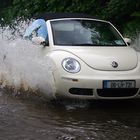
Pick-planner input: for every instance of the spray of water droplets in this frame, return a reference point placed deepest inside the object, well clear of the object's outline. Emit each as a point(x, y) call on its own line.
point(136, 43)
point(23, 65)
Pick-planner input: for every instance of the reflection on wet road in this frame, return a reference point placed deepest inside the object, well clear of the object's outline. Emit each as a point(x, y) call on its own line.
point(31, 119)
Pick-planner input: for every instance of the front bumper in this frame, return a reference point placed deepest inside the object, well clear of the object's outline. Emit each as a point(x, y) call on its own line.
point(91, 87)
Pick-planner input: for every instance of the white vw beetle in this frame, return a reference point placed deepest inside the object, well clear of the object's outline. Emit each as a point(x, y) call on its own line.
point(90, 59)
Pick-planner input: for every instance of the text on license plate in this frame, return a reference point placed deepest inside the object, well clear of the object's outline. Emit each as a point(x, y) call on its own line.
point(119, 84)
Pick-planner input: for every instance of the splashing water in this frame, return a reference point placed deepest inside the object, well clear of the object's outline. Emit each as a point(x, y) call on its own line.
point(23, 65)
point(136, 43)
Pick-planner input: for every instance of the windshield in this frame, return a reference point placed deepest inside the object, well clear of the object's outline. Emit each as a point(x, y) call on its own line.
point(85, 33)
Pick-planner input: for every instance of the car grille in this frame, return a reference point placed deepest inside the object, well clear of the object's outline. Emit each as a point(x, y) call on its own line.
point(117, 92)
point(81, 91)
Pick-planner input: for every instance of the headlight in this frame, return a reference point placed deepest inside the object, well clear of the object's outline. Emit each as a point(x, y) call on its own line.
point(71, 65)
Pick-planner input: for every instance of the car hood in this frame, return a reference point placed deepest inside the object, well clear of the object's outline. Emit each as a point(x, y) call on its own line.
point(108, 58)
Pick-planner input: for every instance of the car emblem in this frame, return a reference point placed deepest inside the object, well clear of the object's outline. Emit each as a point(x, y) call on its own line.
point(114, 64)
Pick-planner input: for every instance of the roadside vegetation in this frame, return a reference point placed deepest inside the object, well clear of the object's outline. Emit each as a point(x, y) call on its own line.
point(124, 14)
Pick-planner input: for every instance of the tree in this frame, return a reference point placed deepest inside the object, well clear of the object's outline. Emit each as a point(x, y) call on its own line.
point(122, 13)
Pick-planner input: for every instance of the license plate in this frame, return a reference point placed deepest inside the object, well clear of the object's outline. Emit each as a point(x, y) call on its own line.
point(119, 84)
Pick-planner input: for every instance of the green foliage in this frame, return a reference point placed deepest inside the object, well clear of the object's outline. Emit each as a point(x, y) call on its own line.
point(124, 14)
point(119, 11)
point(136, 14)
point(132, 29)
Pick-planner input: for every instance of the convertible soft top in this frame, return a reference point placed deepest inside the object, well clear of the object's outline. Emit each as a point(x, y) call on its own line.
point(49, 16)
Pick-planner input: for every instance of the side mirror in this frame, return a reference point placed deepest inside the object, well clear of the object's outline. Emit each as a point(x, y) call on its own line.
point(40, 41)
point(127, 40)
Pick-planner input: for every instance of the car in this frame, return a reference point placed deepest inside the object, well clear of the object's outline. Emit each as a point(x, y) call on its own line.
point(90, 59)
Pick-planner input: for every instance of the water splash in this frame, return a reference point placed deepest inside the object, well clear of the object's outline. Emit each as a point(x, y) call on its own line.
point(23, 65)
point(136, 43)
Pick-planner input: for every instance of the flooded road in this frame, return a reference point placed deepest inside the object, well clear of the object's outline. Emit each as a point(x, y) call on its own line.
point(33, 119)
